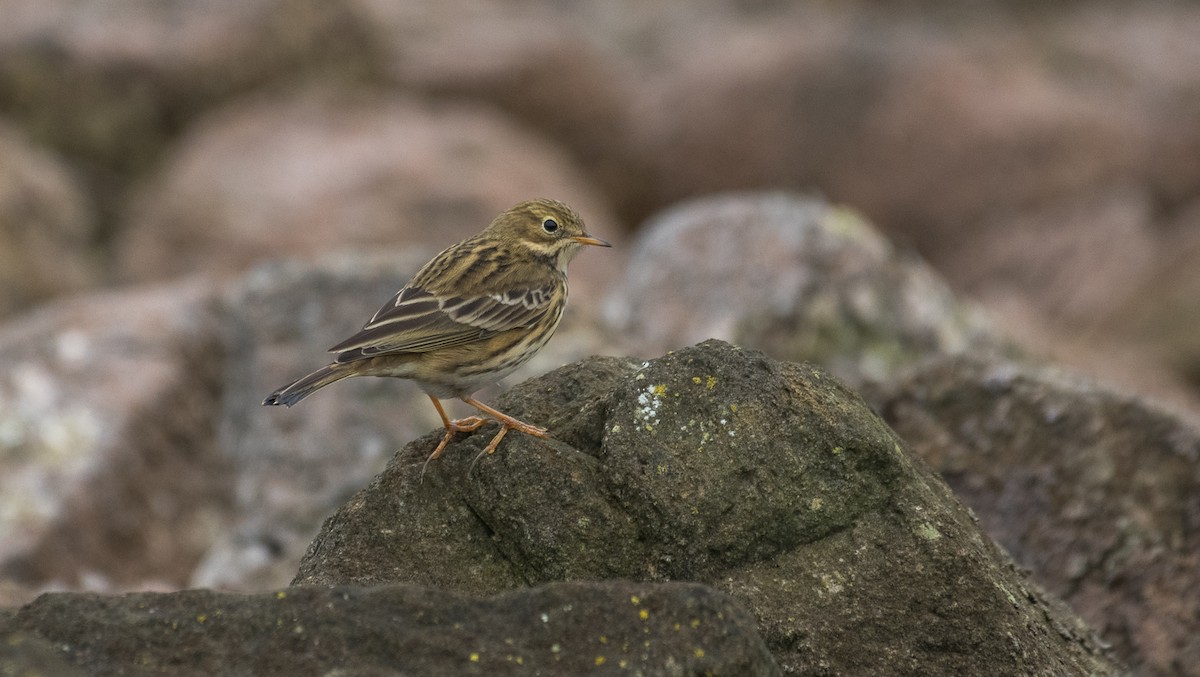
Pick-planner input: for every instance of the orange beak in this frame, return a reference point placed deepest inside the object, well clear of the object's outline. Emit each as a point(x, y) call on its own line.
point(588, 239)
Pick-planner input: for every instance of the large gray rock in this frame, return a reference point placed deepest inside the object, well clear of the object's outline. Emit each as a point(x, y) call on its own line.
point(768, 480)
point(1095, 491)
point(792, 276)
point(296, 465)
point(557, 629)
point(293, 465)
point(110, 476)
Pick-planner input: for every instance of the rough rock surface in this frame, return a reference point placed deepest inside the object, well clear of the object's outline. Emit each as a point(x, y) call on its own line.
point(794, 277)
point(110, 476)
point(1096, 492)
point(557, 629)
point(769, 480)
point(296, 465)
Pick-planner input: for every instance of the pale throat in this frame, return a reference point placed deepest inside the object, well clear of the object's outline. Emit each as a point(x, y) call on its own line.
point(564, 257)
point(561, 254)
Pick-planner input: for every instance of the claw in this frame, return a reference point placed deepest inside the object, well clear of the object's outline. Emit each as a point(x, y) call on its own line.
point(461, 425)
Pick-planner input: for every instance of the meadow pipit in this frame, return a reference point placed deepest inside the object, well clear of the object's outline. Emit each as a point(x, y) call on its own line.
point(468, 318)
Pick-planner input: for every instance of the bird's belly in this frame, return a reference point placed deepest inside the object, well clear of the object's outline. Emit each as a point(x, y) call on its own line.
point(462, 370)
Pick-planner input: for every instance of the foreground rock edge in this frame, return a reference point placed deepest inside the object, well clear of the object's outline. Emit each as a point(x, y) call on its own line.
point(560, 628)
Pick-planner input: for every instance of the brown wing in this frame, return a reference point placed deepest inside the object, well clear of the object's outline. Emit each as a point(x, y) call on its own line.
point(417, 321)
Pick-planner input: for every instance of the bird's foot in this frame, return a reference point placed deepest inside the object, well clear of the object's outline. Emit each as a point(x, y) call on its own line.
point(505, 426)
point(459, 425)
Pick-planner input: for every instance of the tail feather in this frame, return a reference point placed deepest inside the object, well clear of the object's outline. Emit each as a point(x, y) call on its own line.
point(306, 385)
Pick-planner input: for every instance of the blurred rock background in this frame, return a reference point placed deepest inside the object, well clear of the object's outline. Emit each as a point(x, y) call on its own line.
point(197, 197)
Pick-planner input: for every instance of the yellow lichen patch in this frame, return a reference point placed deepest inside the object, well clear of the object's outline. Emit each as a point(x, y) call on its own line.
point(696, 380)
point(698, 653)
point(733, 408)
point(474, 656)
point(201, 619)
point(816, 504)
point(644, 614)
point(659, 390)
point(600, 660)
point(635, 600)
point(928, 531)
point(280, 595)
point(837, 451)
point(695, 623)
point(711, 382)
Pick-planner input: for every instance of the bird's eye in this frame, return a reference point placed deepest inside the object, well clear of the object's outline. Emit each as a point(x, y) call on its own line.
point(549, 225)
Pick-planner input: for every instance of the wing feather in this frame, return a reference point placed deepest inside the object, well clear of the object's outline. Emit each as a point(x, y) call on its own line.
point(416, 320)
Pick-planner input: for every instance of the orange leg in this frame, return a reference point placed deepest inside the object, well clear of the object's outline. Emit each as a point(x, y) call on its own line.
point(507, 422)
point(470, 423)
point(461, 425)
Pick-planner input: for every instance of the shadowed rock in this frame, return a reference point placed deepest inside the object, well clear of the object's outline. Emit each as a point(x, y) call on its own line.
point(769, 480)
point(1097, 492)
point(558, 629)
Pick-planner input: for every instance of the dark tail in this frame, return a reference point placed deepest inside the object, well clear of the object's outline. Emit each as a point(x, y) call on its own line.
point(305, 386)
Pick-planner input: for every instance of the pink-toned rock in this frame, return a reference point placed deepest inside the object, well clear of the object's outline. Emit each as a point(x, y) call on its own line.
point(47, 228)
point(113, 82)
point(325, 170)
point(111, 477)
point(548, 67)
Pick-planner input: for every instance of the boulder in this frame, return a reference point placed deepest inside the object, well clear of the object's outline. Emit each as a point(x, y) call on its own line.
point(1095, 491)
point(794, 276)
point(770, 481)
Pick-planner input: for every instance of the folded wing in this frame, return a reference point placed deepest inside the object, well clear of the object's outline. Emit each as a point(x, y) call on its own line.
point(416, 320)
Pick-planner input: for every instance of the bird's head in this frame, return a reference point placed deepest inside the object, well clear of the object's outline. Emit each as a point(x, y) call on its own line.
point(547, 228)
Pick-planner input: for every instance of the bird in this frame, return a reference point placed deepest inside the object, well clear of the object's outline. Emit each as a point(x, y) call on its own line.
point(470, 316)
